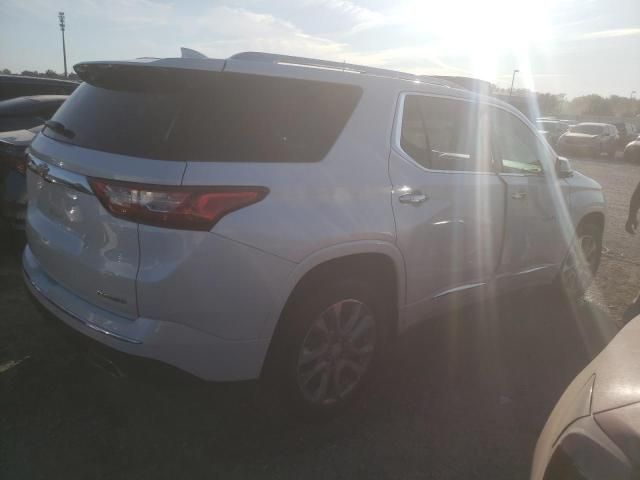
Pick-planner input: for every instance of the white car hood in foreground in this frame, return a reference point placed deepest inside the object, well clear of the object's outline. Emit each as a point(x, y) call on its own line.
point(617, 370)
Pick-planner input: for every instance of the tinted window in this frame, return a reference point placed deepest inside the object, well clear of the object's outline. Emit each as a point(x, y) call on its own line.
point(204, 116)
point(413, 137)
point(516, 146)
point(445, 134)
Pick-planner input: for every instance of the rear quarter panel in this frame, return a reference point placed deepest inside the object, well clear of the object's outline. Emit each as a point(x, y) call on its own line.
point(346, 197)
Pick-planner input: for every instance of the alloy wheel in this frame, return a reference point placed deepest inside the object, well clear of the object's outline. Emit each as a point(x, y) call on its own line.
point(336, 352)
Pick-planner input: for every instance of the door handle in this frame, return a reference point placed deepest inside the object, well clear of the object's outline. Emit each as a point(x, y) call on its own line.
point(519, 195)
point(413, 198)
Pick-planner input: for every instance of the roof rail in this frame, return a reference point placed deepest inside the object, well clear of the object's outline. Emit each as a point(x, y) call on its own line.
point(342, 66)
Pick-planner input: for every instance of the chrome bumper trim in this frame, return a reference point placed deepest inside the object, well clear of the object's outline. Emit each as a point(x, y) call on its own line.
point(92, 326)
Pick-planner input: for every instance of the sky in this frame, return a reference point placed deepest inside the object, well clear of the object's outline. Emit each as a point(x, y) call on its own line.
point(575, 47)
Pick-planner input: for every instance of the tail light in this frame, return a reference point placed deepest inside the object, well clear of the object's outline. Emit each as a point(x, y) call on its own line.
point(185, 208)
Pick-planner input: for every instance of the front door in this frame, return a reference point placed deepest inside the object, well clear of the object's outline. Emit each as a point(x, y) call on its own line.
point(534, 244)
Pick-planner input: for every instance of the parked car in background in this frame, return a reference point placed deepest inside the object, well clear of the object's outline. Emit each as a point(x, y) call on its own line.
point(592, 139)
point(281, 218)
point(627, 132)
point(20, 121)
point(632, 150)
point(594, 430)
point(12, 86)
point(13, 187)
point(23, 113)
point(552, 130)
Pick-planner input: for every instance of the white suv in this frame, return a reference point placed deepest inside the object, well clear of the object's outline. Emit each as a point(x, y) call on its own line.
point(281, 217)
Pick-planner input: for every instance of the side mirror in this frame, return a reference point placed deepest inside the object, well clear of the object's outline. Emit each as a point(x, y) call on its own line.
point(563, 168)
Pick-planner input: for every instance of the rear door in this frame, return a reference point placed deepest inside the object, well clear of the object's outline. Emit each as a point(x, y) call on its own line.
point(114, 127)
point(447, 199)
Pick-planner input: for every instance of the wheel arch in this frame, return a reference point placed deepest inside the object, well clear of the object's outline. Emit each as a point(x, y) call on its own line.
point(595, 218)
point(373, 259)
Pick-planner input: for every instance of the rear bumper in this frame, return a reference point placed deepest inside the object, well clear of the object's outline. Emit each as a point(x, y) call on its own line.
point(181, 346)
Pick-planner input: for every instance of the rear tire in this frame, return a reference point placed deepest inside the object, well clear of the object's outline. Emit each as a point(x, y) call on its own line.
point(328, 345)
point(582, 261)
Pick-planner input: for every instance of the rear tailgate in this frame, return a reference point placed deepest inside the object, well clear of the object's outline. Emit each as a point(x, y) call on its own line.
point(76, 241)
point(115, 126)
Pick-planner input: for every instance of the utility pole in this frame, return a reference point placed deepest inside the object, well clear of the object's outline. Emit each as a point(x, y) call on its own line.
point(64, 48)
point(513, 79)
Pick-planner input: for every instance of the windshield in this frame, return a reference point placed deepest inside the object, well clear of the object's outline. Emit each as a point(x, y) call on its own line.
point(588, 129)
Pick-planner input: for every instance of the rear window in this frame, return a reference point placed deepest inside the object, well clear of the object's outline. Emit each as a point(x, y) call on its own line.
point(205, 116)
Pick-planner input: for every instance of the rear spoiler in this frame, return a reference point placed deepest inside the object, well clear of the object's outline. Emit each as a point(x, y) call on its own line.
point(94, 72)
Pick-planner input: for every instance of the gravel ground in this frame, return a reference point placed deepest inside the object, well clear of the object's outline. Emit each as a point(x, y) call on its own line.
point(618, 280)
point(463, 397)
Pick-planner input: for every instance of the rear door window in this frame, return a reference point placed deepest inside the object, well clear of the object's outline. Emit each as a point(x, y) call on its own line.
point(207, 116)
point(446, 134)
point(413, 138)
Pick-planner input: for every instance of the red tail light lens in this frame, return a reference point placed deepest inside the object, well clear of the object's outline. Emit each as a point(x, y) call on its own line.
point(185, 208)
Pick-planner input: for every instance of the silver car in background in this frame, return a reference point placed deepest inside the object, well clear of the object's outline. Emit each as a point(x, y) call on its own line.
point(591, 139)
point(283, 218)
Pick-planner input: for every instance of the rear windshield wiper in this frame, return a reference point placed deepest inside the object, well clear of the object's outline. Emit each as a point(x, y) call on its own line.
point(59, 128)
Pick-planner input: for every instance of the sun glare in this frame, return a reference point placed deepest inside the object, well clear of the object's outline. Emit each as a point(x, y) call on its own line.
point(487, 31)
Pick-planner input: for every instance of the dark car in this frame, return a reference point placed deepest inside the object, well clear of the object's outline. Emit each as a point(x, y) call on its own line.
point(594, 430)
point(13, 192)
point(22, 113)
point(12, 86)
point(20, 121)
point(592, 139)
point(552, 130)
point(632, 150)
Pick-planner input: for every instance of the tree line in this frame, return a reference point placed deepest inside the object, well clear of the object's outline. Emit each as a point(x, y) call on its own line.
point(597, 105)
point(47, 74)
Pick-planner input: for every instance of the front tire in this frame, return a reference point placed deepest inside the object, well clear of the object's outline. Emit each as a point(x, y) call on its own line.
point(328, 345)
point(582, 261)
